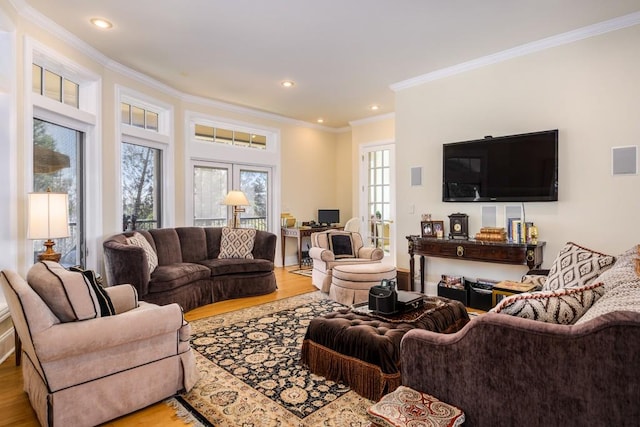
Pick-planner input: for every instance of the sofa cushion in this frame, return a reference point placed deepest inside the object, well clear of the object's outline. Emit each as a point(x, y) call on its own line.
point(341, 244)
point(406, 407)
point(67, 293)
point(223, 266)
point(167, 277)
point(138, 239)
point(237, 242)
point(563, 306)
point(576, 266)
point(106, 306)
point(625, 297)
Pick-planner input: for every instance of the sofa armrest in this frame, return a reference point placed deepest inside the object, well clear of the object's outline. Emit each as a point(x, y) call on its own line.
point(64, 340)
point(321, 254)
point(123, 297)
point(369, 252)
point(126, 264)
point(574, 374)
point(264, 246)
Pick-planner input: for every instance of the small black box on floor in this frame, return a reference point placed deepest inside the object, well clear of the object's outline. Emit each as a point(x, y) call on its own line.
point(453, 292)
point(480, 296)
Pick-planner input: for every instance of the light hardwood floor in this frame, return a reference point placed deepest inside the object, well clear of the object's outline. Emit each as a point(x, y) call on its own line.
point(15, 409)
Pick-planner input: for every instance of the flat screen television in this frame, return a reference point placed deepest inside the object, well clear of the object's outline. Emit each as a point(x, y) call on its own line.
point(514, 168)
point(329, 216)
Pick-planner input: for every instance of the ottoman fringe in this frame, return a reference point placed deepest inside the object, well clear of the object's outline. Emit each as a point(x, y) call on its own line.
point(364, 378)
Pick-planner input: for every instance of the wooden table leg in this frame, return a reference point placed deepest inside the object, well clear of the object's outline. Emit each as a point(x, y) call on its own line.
point(18, 348)
point(422, 268)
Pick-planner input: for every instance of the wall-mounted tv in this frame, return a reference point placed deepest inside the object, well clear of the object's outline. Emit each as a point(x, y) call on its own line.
point(329, 216)
point(514, 168)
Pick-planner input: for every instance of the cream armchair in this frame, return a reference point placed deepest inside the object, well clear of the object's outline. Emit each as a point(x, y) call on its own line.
point(334, 247)
point(82, 367)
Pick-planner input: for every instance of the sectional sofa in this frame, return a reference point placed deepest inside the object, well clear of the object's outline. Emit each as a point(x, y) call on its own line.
point(189, 268)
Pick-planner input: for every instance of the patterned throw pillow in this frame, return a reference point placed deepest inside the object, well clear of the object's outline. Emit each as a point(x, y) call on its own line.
point(138, 239)
point(106, 306)
point(341, 244)
point(67, 293)
point(237, 243)
point(407, 407)
point(576, 266)
point(534, 279)
point(563, 306)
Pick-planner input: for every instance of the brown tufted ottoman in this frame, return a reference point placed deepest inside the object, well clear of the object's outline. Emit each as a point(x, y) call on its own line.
point(363, 350)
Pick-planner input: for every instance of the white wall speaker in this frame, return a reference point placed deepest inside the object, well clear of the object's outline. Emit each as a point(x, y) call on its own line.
point(416, 176)
point(624, 160)
point(513, 211)
point(489, 216)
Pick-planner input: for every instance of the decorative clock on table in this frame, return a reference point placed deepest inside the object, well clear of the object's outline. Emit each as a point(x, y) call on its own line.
point(458, 226)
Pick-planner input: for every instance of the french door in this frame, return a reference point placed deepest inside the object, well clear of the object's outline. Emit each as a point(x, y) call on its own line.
point(212, 181)
point(377, 197)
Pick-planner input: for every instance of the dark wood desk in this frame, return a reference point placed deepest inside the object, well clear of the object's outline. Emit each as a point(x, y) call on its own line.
point(529, 254)
point(299, 233)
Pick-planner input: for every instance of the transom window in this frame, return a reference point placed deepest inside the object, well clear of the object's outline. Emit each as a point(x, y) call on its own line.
point(55, 86)
point(138, 116)
point(230, 137)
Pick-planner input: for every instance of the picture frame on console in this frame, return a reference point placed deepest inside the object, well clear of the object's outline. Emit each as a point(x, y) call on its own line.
point(438, 228)
point(426, 229)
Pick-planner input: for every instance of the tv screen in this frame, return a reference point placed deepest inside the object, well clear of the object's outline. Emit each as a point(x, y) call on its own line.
point(328, 216)
point(514, 168)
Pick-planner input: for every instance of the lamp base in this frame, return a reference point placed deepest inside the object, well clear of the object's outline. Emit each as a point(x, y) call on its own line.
point(49, 254)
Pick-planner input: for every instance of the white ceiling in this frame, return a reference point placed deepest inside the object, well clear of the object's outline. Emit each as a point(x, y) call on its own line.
point(342, 54)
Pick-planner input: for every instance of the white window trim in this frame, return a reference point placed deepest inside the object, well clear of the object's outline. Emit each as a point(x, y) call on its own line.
point(197, 150)
point(87, 119)
point(162, 140)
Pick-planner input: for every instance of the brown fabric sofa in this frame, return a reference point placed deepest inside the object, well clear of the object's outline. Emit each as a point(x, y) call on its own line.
point(189, 271)
point(503, 370)
point(85, 372)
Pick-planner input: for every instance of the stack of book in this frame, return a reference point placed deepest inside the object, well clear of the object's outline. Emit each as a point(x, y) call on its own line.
point(492, 234)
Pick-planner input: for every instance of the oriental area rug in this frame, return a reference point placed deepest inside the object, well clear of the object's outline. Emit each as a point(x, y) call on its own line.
point(251, 376)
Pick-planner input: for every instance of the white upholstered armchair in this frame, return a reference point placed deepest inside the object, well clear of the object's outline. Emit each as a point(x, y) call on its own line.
point(87, 361)
point(335, 247)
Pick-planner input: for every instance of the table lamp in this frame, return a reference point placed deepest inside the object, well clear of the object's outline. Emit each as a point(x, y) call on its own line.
point(236, 199)
point(48, 219)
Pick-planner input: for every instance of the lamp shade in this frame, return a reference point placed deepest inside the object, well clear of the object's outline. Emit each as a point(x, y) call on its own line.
point(235, 198)
point(48, 215)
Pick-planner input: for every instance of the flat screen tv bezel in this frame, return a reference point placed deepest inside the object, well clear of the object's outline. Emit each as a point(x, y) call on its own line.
point(329, 210)
point(550, 198)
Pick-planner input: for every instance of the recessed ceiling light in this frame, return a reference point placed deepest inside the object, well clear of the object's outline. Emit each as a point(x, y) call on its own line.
point(320, 120)
point(288, 83)
point(101, 23)
point(374, 107)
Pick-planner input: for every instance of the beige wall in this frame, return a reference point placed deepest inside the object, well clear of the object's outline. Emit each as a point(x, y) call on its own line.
point(588, 90)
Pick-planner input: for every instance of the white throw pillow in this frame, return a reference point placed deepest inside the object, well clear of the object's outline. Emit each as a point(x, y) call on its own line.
point(138, 239)
point(576, 266)
point(237, 243)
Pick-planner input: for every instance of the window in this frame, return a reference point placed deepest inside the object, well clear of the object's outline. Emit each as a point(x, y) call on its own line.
point(54, 86)
point(141, 201)
point(230, 137)
point(146, 174)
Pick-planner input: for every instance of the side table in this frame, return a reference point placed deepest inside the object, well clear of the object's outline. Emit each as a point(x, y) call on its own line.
point(507, 288)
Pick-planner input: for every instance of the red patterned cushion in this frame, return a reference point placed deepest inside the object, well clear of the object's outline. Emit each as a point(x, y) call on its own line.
point(407, 407)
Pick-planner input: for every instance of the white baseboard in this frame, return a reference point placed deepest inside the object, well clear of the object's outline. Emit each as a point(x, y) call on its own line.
point(7, 340)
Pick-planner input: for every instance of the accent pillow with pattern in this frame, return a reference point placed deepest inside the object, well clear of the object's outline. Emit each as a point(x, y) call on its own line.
point(576, 266)
point(237, 243)
point(563, 306)
point(138, 239)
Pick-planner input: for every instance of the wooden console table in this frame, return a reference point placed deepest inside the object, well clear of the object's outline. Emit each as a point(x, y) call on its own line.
point(529, 254)
point(299, 233)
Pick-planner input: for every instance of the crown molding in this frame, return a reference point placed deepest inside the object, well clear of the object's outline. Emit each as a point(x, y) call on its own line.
point(525, 49)
point(32, 15)
point(373, 119)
